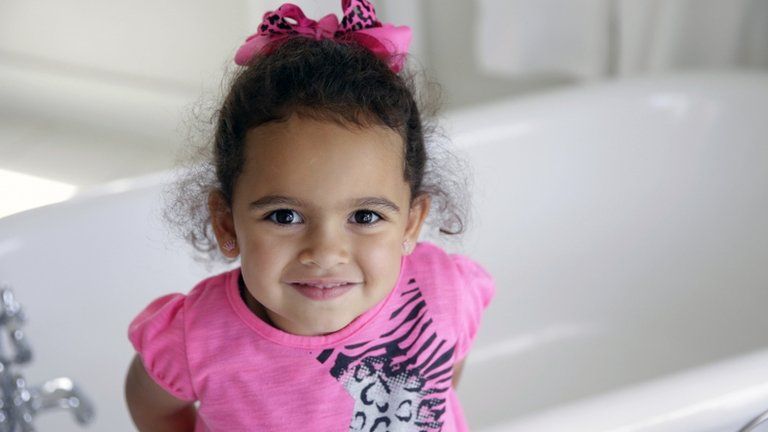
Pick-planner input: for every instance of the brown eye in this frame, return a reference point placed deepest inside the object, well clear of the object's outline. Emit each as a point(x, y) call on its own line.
point(284, 217)
point(366, 217)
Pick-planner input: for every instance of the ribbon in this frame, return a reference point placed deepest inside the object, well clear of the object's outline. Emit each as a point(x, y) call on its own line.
point(389, 43)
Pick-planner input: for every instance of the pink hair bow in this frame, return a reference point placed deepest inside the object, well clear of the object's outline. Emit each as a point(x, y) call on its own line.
point(386, 41)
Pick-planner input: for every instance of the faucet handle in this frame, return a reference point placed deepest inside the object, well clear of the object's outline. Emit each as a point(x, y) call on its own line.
point(7, 421)
point(19, 404)
point(20, 345)
point(9, 307)
point(12, 317)
point(21, 398)
point(62, 393)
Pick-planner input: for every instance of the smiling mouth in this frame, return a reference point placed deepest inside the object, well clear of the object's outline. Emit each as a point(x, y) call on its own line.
point(324, 291)
point(322, 286)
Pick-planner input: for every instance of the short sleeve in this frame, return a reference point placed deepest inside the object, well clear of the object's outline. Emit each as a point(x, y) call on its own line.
point(476, 290)
point(157, 333)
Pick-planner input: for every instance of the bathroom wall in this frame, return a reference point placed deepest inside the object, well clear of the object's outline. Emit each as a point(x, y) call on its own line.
point(91, 92)
point(607, 39)
point(96, 91)
point(101, 85)
point(453, 57)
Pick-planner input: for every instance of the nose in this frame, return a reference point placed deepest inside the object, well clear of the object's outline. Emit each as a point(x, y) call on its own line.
point(326, 247)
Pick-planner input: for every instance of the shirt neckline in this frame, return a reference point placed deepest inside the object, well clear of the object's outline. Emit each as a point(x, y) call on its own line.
point(299, 341)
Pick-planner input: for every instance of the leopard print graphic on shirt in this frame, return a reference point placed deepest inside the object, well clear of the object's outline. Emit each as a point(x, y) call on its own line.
point(399, 381)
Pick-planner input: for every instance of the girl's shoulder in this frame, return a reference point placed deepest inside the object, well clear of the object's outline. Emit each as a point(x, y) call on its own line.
point(206, 297)
point(213, 295)
point(162, 332)
point(427, 252)
point(434, 266)
point(430, 256)
point(214, 285)
point(456, 288)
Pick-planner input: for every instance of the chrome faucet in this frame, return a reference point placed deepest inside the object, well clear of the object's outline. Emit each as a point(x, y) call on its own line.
point(19, 403)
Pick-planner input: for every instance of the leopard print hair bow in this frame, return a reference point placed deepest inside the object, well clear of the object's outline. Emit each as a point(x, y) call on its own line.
point(388, 42)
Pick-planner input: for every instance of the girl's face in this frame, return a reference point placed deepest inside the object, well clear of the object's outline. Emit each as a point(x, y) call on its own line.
point(318, 201)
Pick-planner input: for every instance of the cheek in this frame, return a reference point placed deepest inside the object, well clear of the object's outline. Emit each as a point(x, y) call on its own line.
point(264, 254)
point(382, 258)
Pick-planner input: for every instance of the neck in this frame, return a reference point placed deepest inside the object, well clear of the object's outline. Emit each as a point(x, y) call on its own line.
point(257, 308)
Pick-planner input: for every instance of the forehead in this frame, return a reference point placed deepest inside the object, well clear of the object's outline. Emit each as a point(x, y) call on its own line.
point(321, 161)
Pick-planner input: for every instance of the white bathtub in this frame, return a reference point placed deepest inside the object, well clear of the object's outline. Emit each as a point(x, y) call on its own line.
point(624, 223)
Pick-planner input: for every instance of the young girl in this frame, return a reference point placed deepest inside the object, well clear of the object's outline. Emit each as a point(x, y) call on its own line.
point(337, 318)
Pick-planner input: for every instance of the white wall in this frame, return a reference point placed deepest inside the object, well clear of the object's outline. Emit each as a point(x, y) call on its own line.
point(170, 44)
point(109, 81)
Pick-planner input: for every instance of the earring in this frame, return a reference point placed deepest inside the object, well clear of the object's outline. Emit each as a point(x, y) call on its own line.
point(229, 245)
point(406, 246)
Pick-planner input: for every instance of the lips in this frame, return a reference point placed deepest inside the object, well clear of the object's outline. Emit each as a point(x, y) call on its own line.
point(323, 289)
point(322, 283)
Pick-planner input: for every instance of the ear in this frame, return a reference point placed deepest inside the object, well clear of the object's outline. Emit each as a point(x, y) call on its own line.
point(223, 223)
point(416, 216)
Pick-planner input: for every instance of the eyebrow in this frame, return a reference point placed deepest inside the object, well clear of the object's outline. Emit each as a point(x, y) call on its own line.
point(275, 200)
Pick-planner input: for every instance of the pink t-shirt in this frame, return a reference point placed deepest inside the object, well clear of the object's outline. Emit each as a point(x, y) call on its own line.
point(389, 369)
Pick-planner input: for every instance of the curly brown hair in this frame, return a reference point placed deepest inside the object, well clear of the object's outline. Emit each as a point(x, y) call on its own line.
point(330, 80)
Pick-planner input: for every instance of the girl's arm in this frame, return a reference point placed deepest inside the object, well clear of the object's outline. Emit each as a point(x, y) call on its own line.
point(152, 408)
point(457, 367)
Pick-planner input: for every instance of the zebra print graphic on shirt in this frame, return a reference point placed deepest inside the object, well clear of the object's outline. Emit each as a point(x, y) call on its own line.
point(399, 381)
